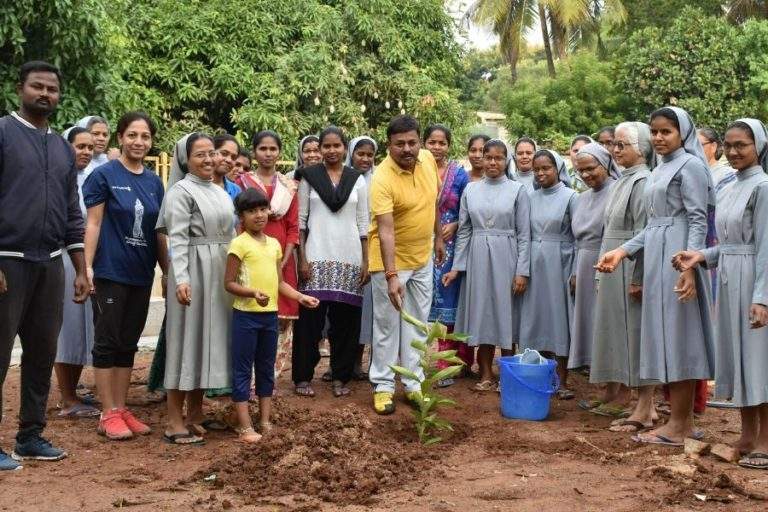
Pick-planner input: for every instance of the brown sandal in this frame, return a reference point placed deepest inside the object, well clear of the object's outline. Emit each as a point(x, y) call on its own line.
point(484, 386)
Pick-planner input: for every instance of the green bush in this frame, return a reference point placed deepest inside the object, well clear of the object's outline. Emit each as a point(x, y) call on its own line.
point(66, 33)
point(703, 64)
point(582, 98)
point(293, 66)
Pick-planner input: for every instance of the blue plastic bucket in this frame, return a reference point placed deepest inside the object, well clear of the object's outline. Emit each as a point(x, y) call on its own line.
point(526, 388)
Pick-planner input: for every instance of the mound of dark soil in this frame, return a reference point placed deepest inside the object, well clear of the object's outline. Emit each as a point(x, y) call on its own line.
point(337, 456)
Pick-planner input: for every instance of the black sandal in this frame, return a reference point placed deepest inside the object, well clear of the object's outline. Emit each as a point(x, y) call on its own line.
point(212, 424)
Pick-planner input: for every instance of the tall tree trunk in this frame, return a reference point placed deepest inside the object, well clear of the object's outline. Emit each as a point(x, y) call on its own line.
point(511, 56)
point(547, 41)
point(602, 51)
point(559, 37)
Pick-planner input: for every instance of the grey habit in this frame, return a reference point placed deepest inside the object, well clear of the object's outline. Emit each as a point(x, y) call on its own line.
point(547, 305)
point(198, 217)
point(492, 245)
point(587, 227)
point(526, 179)
point(676, 338)
point(741, 258)
point(366, 319)
point(616, 342)
point(76, 336)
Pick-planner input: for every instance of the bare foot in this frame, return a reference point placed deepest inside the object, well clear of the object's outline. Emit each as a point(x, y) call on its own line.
point(746, 446)
point(672, 432)
point(634, 423)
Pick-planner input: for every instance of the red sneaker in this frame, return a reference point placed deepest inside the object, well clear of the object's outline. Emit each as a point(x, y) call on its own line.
point(136, 426)
point(112, 425)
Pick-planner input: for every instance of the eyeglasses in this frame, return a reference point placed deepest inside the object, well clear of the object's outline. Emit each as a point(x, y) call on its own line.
point(622, 146)
point(739, 146)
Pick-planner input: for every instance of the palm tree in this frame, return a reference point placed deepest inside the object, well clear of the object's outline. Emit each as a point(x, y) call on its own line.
point(740, 11)
point(509, 20)
point(563, 23)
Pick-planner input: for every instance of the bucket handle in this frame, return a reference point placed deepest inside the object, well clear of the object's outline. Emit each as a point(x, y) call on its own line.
point(555, 384)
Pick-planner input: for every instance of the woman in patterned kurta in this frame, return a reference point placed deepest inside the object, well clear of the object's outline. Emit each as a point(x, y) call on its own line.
point(453, 179)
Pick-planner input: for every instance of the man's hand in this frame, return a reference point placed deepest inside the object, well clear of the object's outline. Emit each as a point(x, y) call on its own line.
point(396, 292)
point(3, 283)
point(82, 288)
point(636, 292)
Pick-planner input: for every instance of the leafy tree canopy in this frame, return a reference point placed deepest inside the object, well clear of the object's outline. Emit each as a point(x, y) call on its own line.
point(581, 98)
point(68, 34)
point(714, 70)
point(293, 66)
point(661, 13)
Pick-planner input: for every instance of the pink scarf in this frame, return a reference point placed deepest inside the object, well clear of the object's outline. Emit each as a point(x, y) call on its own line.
point(283, 190)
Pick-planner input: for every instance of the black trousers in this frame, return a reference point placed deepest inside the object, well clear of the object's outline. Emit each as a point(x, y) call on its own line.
point(32, 308)
point(119, 314)
point(343, 334)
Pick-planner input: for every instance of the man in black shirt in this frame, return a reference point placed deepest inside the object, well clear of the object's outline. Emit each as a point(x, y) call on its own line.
point(39, 217)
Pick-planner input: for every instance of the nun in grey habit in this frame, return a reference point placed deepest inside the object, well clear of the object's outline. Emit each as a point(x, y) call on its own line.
point(366, 321)
point(526, 178)
point(491, 249)
point(198, 216)
point(741, 258)
point(546, 307)
point(676, 338)
point(616, 342)
point(592, 161)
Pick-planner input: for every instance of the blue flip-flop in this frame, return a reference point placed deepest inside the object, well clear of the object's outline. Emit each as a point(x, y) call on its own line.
point(79, 410)
point(663, 440)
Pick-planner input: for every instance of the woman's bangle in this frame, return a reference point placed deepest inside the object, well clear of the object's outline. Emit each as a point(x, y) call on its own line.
point(389, 274)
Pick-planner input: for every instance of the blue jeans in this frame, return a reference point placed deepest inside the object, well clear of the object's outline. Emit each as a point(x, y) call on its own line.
point(254, 347)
